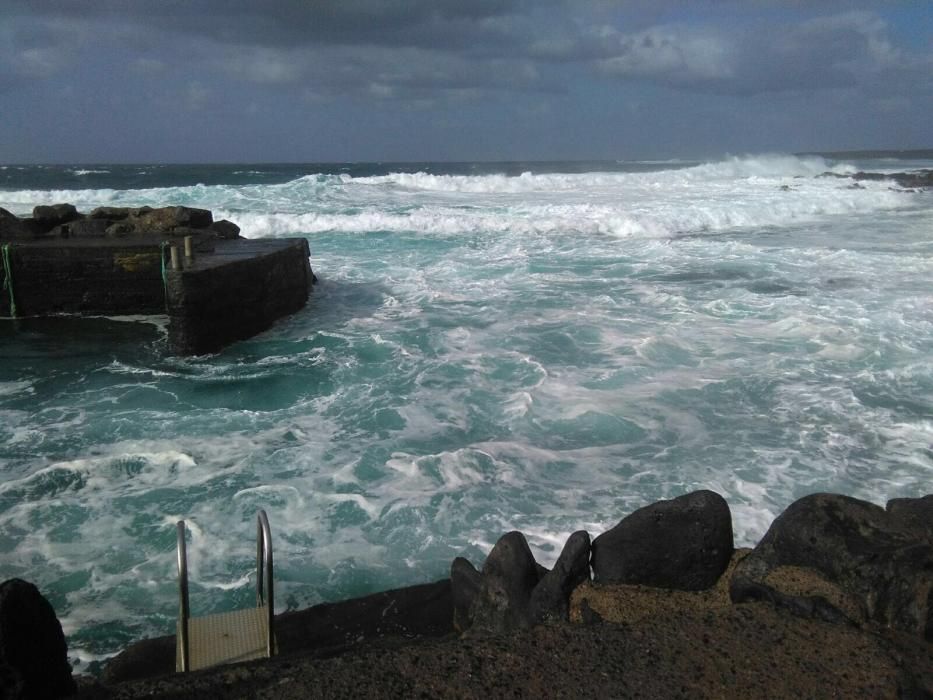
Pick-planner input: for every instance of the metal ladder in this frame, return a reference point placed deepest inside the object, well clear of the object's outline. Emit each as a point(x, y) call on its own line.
point(229, 637)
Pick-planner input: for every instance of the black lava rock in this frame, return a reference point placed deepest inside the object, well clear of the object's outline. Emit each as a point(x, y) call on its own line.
point(684, 543)
point(12, 228)
point(465, 584)
point(550, 599)
point(883, 560)
point(33, 653)
point(49, 216)
point(913, 514)
point(510, 574)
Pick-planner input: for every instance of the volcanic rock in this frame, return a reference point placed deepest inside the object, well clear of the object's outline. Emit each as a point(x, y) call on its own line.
point(12, 228)
point(684, 544)
point(225, 229)
point(465, 584)
point(33, 654)
point(550, 599)
point(913, 514)
point(118, 213)
point(166, 219)
point(510, 574)
point(50, 216)
point(842, 559)
point(81, 228)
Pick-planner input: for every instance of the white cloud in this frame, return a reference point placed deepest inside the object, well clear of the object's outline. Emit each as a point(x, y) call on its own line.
point(673, 53)
point(272, 67)
point(196, 95)
point(37, 62)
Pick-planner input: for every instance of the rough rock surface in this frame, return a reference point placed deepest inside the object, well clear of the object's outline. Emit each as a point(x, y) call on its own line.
point(12, 228)
point(321, 631)
point(629, 604)
point(48, 216)
point(509, 575)
point(838, 558)
point(684, 543)
point(918, 178)
point(465, 583)
point(64, 221)
point(550, 599)
point(33, 655)
point(913, 515)
point(742, 651)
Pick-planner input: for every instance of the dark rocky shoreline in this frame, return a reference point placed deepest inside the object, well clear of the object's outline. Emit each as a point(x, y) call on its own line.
point(836, 599)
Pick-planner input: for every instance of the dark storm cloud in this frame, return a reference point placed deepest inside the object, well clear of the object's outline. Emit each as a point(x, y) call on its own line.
point(846, 50)
point(492, 43)
point(288, 23)
point(568, 71)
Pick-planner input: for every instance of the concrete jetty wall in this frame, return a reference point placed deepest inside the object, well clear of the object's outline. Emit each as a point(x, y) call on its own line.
point(119, 261)
point(236, 292)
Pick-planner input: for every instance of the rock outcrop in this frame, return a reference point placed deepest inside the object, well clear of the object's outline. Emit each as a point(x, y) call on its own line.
point(64, 221)
point(684, 544)
point(513, 591)
point(841, 559)
point(33, 654)
point(550, 598)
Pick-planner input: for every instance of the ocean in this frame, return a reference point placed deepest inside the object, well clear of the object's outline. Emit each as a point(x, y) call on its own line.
point(534, 346)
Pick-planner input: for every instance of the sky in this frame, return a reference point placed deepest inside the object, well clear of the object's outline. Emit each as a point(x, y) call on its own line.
point(184, 81)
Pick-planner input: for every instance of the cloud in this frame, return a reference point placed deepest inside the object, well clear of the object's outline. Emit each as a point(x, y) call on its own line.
point(402, 50)
point(280, 23)
point(849, 50)
point(671, 54)
point(197, 95)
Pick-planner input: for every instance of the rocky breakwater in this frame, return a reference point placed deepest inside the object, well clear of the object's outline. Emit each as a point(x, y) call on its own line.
point(835, 600)
point(215, 285)
point(910, 180)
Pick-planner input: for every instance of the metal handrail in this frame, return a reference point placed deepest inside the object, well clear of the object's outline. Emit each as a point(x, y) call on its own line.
point(264, 571)
point(184, 610)
point(264, 585)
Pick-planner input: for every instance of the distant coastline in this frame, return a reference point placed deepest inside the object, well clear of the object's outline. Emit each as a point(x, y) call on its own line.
point(905, 154)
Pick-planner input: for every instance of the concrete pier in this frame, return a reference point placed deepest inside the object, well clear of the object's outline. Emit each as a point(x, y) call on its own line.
point(235, 292)
point(118, 262)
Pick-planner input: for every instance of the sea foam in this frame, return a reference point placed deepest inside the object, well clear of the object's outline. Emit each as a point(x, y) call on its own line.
point(545, 351)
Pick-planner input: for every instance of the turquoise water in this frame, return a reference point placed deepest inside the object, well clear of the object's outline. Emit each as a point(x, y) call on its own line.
point(521, 346)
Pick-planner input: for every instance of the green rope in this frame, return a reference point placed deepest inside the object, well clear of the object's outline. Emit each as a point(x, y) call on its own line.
point(8, 278)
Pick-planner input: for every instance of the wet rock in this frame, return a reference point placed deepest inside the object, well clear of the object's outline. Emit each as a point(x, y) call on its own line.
point(550, 599)
point(225, 229)
point(120, 229)
point(81, 228)
point(465, 583)
point(917, 178)
point(510, 574)
point(913, 514)
point(33, 654)
point(837, 558)
point(12, 228)
point(50, 216)
point(684, 544)
point(118, 213)
point(166, 219)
